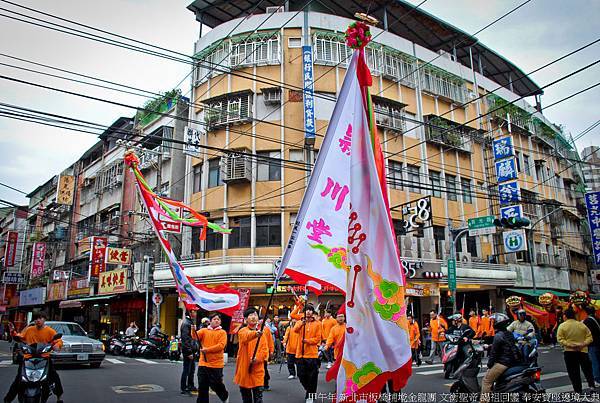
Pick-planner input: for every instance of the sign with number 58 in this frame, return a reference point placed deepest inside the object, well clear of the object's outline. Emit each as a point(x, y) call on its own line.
point(416, 214)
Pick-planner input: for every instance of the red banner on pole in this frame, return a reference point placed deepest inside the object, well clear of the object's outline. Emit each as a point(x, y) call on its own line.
point(237, 319)
point(38, 259)
point(12, 237)
point(98, 255)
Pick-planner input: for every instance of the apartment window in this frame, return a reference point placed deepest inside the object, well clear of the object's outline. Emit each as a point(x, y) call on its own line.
point(213, 62)
point(414, 180)
point(297, 155)
point(472, 246)
point(436, 183)
point(526, 166)
point(451, 187)
point(268, 230)
point(518, 160)
point(398, 66)
point(197, 184)
point(539, 171)
point(214, 173)
point(439, 234)
point(261, 49)
point(268, 169)
point(389, 115)
point(330, 49)
point(214, 240)
point(240, 236)
point(529, 202)
point(109, 177)
point(395, 174)
point(232, 109)
point(439, 82)
point(467, 191)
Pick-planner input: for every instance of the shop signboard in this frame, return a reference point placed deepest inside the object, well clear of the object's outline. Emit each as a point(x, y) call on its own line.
point(65, 190)
point(503, 147)
point(33, 296)
point(515, 211)
point(298, 289)
point(98, 255)
point(422, 290)
point(13, 277)
point(509, 192)
point(118, 255)
point(592, 201)
point(112, 282)
point(38, 259)
point(191, 138)
point(308, 99)
point(12, 237)
point(78, 288)
point(56, 291)
point(237, 319)
point(452, 274)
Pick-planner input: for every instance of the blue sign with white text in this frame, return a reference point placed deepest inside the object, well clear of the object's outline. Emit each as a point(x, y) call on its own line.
point(309, 100)
point(506, 170)
point(515, 211)
point(503, 148)
point(592, 202)
point(509, 192)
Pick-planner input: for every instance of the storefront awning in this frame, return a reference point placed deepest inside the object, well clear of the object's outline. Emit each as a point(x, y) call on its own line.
point(538, 292)
point(76, 303)
point(69, 304)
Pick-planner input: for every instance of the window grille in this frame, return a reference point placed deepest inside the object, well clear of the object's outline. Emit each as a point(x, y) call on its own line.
point(235, 108)
point(439, 82)
point(109, 177)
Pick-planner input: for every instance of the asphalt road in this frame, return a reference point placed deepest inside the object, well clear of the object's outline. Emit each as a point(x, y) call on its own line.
point(121, 379)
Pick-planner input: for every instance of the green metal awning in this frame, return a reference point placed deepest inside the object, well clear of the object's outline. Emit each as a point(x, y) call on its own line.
point(538, 292)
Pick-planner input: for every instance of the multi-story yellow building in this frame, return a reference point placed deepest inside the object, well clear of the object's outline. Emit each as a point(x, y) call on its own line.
point(433, 87)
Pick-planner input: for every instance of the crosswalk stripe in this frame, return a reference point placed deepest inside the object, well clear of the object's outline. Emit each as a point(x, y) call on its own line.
point(545, 377)
point(560, 389)
point(5, 362)
point(146, 361)
point(114, 361)
point(432, 372)
point(429, 366)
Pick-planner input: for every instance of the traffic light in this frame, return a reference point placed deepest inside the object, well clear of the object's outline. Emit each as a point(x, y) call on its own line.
point(512, 222)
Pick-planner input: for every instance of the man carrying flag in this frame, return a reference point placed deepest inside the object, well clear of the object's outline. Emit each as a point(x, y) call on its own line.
point(212, 341)
point(308, 331)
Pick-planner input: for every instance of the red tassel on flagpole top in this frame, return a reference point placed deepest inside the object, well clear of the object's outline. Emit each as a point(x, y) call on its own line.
point(358, 35)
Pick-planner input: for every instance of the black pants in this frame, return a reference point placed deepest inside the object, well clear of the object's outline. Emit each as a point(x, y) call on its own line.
point(291, 364)
point(52, 378)
point(415, 355)
point(253, 395)
point(187, 376)
point(308, 373)
point(213, 378)
point(267, 376)
point(575, 360)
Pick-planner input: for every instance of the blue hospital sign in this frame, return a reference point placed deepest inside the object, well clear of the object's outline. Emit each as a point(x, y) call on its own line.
point(592, 202)
point(514, 241)
point(309, 100)
point(503, 148)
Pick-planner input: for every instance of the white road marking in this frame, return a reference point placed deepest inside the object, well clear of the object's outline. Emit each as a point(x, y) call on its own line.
point(432, 372)
point(114, 361)
point(545, 377)
point(560, 389)
point(6, 362)
point(424, 366)
point(146, 361)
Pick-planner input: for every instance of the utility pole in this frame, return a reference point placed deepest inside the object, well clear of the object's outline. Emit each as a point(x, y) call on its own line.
point(455, 234)
point(532, 245)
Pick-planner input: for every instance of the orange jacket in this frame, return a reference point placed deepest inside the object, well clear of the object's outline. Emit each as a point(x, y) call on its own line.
point(312, 338)
point(270, 342)
point(414, 334)
point(475, 324)
point(487, 327)
point(213, 341)
point(336, 334)
point(438, 328)
point(290, 340)
point(246, 376)
point(31, 334)
point(297, 312)
point(328, 324)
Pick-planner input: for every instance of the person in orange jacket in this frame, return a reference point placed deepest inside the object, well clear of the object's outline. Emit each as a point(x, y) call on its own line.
point(290, 342)
point(438, 327)
point(249, 371)
point(336, 335)
point(415, 339)
point(486, 330)
point(297, 313)
point(271, 345)
point(327, 323)
point(475, 322)
point(307, 352)
point(212, 341)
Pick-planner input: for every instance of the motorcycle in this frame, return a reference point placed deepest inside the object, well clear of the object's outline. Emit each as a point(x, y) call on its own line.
point(131, 346)
point(528, 345)
point(449, 353)
point(524, 380)
point(116, 344)
point(35, 386)
point(155, 347)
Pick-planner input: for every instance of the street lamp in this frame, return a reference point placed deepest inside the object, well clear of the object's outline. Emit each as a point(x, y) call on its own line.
point(531, 245)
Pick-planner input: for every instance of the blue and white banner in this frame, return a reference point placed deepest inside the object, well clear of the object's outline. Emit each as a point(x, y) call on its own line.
point(592, 201)
point(509, 192)
point(515, 211)
point(503, 148)
point(506, 170)
point(309, 101)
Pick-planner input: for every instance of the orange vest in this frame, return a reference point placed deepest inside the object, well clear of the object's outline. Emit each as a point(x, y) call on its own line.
point(213, 341)
point(415, 335)
point(246, 376)
point(474, 323)
point(335, 337)
point(328, 324)
point(312, 338)
point(487, 326)
point(438, 328)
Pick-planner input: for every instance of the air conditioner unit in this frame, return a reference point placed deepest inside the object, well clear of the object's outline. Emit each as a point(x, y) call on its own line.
point(236, 168)
point(464, 257)
point(275, 9)
point(272, 96)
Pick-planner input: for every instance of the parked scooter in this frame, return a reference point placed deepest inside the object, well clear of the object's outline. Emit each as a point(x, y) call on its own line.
point(116, 344)
point(155, 347)
point(35, 386)
point(131, 348)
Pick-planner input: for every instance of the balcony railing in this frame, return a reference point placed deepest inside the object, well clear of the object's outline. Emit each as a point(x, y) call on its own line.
point(450, 134)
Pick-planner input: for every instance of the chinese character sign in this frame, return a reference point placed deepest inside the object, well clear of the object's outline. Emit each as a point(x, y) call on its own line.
point(98, 255)
point(12, 237)
point(509, 192)
point(118, 255)
point(192, 142)
point(503, 148)
point(515, 211)
point(111, 282)
point(65, 190)
point(56, 291)
point(506, 170)
point(38, 259)
point(592, 201)
point(237, 319)
point(309, 101)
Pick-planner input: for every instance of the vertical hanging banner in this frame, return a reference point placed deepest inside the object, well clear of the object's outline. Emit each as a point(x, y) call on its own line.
point(65, 190)
point(98, 255)
point(191, 138)
point(592, 201)
point(10, 252)
point(309, 100)
point(38, 259)
point(343, 236)
point(237, 319)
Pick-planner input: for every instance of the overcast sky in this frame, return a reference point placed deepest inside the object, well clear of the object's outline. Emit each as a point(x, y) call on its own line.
point(31, 154)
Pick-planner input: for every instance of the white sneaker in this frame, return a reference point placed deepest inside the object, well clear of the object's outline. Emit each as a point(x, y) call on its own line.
point(291, 377)
point(329, 365)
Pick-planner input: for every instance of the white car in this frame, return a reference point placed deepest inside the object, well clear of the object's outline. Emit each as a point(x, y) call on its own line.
point(77, 348)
